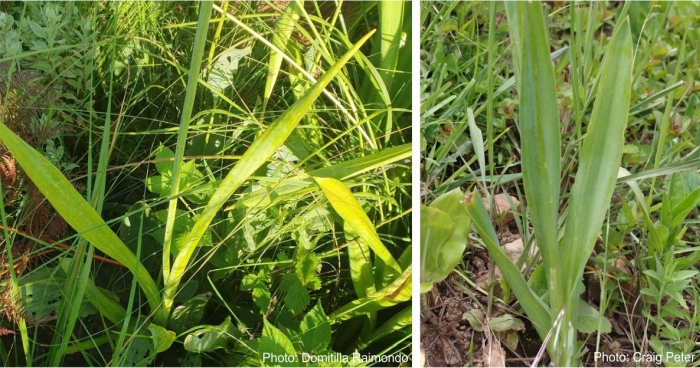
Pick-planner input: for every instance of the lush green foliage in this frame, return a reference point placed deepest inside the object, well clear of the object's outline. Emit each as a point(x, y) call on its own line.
point(246, 165)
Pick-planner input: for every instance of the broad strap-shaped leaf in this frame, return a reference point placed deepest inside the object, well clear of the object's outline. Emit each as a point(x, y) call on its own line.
point(361, 265)
point(77, 212)
point(257, 154)
point(600, 156)
point(185, 117)
point(343, 202)
point(599, 162)
point(540, 141)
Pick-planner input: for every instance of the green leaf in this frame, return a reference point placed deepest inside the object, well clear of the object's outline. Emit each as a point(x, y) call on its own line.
point(140, 351)
point(220, 76)
point(166, 155)
point(400, 320)
point(315, 330)
point(676, 192)
point(396, 292)
point(506, 322)
point(683, 275)
point(209, 338)
point(681, 211)
point(42, 296)
point(77, 212)
point(274, 343)
point(283, 31)
point(159, 185)
point(452, 204)
point(162, 338)
point(258, 284)
point(588, 318)
point(670, 356)
point(106, 303)
point(477, 140)
point(475, 317)
point(189, 314)
point(308, 264)
point(37, 29)
point(190, 177)
point(361, 264)
point(541, 143)
point(296, 186)
point(534, 307)
point(600, 156)
point(296, 297)
point(441, 246)
point(350, 210)
point(444, 235)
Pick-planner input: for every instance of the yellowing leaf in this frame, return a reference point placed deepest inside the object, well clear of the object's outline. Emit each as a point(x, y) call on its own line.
point(350, 210)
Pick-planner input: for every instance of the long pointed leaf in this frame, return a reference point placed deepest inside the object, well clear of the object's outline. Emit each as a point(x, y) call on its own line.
point(539, 134)
point(283, 31)
point(600, 156)
point(350, 210)
point(396, 292)
point(187, 107)
point(77, 212)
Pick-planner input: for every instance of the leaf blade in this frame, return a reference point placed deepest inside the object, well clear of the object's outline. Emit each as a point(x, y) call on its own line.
point(539, 126)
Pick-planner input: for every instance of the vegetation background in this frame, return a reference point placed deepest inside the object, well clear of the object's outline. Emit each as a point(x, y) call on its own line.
point(193, 184)
point(640, 280)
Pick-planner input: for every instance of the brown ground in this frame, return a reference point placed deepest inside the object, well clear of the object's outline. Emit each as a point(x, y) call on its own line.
point(448, 339)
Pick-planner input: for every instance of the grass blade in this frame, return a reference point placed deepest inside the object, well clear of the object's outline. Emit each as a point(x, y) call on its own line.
point(188, 105)
point(283, 31)
point(299, 185)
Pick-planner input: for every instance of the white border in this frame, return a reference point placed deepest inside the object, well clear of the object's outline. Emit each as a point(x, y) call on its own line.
point(415, 179)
